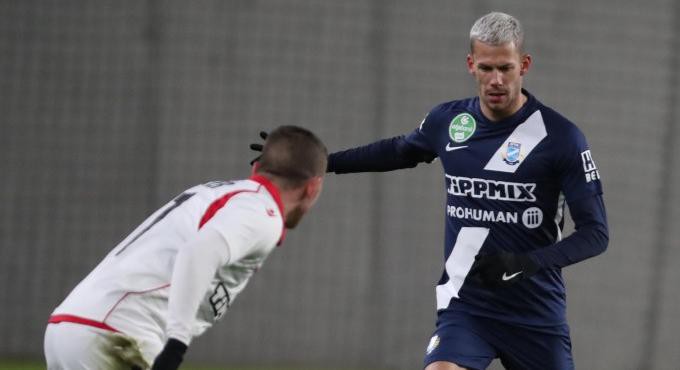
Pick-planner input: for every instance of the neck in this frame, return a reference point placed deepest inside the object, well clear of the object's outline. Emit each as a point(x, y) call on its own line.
point(290, 198)
point(273, 186)
point(495, 116)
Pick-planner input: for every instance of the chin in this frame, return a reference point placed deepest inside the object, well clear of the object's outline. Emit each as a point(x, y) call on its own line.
point(499, 108)
point(291, 224)
point(294, 217)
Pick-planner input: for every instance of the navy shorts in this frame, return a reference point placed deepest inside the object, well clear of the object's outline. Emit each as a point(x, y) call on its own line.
point(473, 342)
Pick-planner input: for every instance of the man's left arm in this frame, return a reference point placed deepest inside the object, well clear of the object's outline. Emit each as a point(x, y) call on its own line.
point(195, 266)
point(579, 180)
point(590, 238)
point(237, 230)
point(581, 184)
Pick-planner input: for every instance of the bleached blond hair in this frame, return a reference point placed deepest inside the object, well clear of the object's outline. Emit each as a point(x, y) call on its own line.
point(497, 28)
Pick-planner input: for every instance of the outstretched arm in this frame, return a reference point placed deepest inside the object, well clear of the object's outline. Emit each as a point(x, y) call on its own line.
point(383, 155)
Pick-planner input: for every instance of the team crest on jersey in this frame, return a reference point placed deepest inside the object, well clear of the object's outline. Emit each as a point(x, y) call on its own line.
point(462, 127)
point(512, 154)
point(434, 343)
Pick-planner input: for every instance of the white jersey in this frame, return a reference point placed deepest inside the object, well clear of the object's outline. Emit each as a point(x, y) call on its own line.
point(179, 271)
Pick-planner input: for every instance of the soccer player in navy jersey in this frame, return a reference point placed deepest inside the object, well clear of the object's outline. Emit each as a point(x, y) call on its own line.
point(510, 164)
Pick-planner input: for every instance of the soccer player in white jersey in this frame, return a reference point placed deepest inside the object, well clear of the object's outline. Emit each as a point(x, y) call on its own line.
point(180, 270)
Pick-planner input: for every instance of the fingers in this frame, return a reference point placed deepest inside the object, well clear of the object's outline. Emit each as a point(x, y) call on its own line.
point(255, 160)
point(485, 271)
point(256, 147)
point(481, 263)
point(474, 270)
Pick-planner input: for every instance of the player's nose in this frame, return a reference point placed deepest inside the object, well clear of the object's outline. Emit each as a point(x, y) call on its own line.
point(497, 78)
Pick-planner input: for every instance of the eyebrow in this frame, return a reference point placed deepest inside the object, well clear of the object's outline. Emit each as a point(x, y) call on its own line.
point(484, 65)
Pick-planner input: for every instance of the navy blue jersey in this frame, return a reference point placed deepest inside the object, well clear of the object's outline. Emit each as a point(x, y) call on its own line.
point(507, 183)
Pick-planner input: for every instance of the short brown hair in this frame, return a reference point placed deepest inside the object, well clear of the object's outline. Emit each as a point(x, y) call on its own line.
point(294, 155)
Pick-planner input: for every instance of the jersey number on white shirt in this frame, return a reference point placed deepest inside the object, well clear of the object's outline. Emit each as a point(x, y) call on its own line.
point(176, 203)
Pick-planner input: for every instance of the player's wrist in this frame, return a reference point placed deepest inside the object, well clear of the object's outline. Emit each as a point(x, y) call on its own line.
point(176, 346)
point(171, 356)
point(529, 263)
point(503, 269)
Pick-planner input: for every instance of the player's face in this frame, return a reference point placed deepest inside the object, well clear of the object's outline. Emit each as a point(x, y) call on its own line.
point(498, 71)
point(308, 198)
point(294, 216)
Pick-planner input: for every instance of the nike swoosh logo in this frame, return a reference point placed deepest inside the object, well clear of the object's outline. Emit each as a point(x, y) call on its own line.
point(451, 148)
point(507, 277)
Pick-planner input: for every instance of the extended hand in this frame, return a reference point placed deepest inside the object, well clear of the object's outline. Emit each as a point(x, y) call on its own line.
point(502, 269)
point(258, 147)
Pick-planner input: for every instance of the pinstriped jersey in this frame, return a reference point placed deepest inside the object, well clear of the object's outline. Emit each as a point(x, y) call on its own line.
point(506, 184)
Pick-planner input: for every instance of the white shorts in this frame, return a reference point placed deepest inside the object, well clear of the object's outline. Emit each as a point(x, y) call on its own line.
point(70, 346)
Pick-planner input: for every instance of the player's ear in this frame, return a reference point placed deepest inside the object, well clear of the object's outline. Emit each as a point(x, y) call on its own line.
point(525, 63)
point(470, 64)
point(313, 189)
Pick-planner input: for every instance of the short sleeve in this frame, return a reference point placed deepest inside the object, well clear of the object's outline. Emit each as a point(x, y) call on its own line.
point(247, 225)
point(578, 173)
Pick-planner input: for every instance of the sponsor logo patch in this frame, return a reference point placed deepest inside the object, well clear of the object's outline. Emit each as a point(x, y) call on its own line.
point(490, 189)
point(462, 127)
point(589, 166)
point(532, 217)
point(483, 215)
point(450, 148)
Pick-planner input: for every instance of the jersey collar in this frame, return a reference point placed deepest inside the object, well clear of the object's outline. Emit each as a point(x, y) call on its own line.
point(276, 194)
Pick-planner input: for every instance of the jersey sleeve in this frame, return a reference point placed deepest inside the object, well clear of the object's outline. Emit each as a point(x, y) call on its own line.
point(242, 227)
point(391, 154)
point(380, 156)
point(580, 182)
point(421, 136)
point(590, 238)
point(577, 171)
point(195, 265)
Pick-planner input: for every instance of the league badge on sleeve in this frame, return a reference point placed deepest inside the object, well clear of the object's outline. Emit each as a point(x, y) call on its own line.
point(512, 154)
